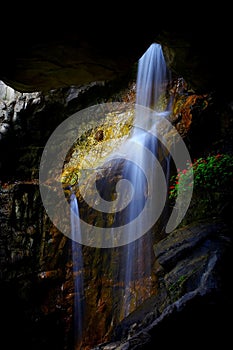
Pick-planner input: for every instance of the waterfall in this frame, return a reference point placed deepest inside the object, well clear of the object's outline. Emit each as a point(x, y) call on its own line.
point(134, 271)
point(77, 268)
point(152, 82)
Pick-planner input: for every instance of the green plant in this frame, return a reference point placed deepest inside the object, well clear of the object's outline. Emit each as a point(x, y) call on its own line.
point(213, 173)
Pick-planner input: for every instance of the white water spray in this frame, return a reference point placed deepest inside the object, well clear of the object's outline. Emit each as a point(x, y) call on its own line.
point(152, 83)
point(77, 257)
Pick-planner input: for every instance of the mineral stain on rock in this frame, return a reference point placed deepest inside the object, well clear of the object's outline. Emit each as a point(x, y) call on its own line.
point(99, 136)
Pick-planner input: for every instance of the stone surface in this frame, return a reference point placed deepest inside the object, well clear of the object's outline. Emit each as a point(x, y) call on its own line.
point(194, 295)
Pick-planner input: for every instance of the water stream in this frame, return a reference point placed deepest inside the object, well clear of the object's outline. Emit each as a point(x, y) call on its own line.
point(77, 257)
point(152, 82)
point(135, 265)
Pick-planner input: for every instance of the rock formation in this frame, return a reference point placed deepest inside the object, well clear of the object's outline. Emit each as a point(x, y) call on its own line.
point(56, 68)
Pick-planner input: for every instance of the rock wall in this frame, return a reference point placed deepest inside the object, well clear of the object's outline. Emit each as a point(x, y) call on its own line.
point(36, 261)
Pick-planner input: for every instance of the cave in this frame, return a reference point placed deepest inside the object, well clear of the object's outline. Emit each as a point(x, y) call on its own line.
point(51, 70)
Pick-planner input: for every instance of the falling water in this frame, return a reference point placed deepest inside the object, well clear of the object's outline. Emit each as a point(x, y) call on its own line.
point(77, 268)
point(135, 266)
point(153, 78)
point(152, 82)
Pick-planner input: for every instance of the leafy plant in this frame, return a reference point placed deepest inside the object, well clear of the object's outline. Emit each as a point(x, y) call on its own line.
point(213, 173)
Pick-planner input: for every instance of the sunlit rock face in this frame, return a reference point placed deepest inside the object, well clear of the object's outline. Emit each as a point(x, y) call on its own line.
point(7, 93)
point(27, 119)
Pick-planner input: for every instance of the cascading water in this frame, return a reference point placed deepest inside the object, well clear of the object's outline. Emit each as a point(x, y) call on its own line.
point(136, 257)
point(153, 78)
point(152, 82)
point(77, 268)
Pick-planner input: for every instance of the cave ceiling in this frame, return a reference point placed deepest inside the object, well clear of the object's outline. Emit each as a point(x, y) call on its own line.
point(42, 51)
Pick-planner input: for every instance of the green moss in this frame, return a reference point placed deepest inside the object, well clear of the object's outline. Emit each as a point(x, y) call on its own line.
point(176, 289)
point(90, 150)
